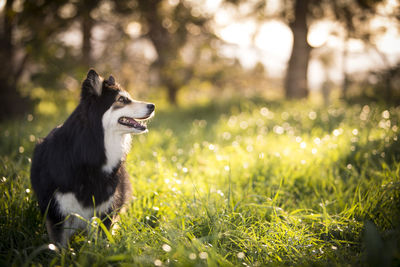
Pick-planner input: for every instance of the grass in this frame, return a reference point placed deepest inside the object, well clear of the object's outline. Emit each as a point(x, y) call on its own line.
point(246, 182)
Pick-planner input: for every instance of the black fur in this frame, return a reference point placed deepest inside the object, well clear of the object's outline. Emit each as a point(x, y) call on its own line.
point(71, 157)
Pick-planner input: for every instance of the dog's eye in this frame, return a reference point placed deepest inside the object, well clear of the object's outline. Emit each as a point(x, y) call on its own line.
point(121, 99)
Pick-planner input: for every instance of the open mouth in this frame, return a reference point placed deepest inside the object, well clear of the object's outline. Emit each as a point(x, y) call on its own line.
point(132, 123)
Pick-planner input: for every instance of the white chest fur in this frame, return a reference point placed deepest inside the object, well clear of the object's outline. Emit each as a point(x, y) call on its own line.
point(68, 204)
point(116, 147)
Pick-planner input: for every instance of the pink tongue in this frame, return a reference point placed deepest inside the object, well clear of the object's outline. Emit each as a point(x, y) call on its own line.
point(132, 121)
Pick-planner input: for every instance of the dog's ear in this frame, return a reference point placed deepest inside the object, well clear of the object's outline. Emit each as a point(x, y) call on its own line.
point(93, 83)
point(111, 80)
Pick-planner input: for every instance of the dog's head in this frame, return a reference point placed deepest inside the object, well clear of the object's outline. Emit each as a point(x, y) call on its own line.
point(120, 113)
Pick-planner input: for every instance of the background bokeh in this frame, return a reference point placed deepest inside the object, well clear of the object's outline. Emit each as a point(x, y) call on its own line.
point(182, 51)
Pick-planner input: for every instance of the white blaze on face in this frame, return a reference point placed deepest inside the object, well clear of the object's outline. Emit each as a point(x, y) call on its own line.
point(117, 139)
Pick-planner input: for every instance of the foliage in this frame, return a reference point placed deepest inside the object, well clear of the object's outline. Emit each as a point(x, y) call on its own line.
point(25, 29)
point(383, 85)
point(242, 182)
point(51, 43)
point(171, 28)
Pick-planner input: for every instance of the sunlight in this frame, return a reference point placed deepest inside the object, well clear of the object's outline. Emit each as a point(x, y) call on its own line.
point(133, 29)
point(73, 37)
point(238, 33)
point(274, 37)
point(390, 43)
point(212, 5)
point(319, 33)
point(2, 4)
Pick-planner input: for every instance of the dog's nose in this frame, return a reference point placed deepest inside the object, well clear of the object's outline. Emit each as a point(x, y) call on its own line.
point(151, 107)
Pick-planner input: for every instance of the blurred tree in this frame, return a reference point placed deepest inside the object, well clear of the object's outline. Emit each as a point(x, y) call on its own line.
point(325, 56)
point(26, 27)
point(85, 8)
point(50, 43)
point(77, 55)
point(296, 74)
point(299, 15)
point(169, 27)
point(381, 85)
point(355, 17)
point(296, 14)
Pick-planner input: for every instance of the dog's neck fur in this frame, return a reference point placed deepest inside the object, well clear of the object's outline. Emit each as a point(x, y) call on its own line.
point(116, 146)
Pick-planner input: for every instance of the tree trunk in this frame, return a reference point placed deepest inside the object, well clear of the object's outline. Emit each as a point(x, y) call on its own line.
point(296, 75)
point(87, 25)
point(11, 102)
point(172, 94)
point(345, 82)
point(164, 45)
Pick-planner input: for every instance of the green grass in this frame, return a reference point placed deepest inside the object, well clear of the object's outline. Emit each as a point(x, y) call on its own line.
point(246, 182)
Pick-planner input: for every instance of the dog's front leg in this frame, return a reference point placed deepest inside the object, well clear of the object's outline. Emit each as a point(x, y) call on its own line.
point(60, 232)
point(106, 219)
point(55, 231)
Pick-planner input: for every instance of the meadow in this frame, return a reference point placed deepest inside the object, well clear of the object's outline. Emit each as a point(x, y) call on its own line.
point(240, 182)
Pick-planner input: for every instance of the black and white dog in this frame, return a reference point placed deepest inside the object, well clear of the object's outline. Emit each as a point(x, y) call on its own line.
point(79, 167)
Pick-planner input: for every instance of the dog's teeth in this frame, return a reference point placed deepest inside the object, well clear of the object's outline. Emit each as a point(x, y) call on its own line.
point(124, 120)
point(133, 123)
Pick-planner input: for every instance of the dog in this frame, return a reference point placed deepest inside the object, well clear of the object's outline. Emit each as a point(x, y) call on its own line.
point(79, 167)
